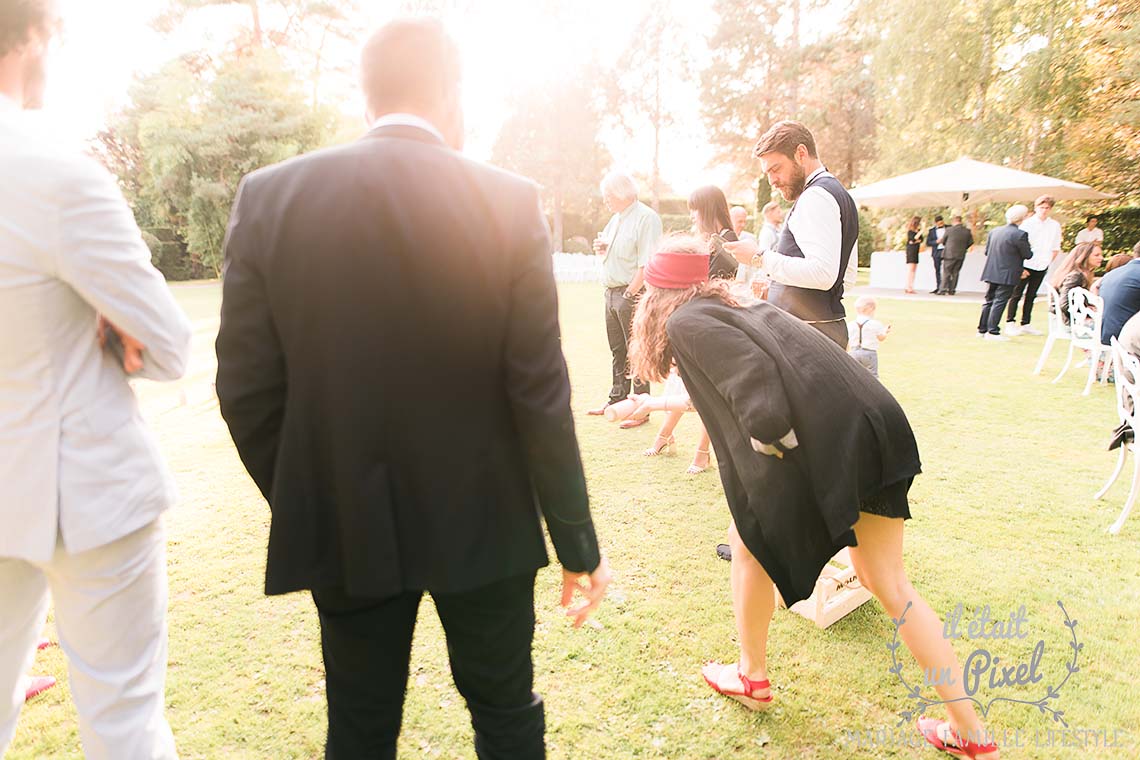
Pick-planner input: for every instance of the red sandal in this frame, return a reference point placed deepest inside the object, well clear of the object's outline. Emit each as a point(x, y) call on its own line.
point(929, 728)
point(746, 696)
point(37, 685)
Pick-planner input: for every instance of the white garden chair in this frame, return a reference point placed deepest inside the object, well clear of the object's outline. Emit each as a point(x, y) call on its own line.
point(1085, 314)
point(1127, 369)
point(1058, 330)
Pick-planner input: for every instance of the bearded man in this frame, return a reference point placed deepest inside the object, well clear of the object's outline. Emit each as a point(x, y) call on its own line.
point(815, 254)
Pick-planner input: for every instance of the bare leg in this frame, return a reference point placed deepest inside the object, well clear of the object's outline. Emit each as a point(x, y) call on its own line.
point(664, 439)
point(701, 456)
point(753, 600)
point(910, 268)
point(670, 424)
point(878, 561)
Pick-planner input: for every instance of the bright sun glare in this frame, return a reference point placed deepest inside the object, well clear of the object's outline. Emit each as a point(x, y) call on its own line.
point(507, 46)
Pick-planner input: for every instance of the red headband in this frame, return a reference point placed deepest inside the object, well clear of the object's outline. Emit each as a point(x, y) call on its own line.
point(674, 270)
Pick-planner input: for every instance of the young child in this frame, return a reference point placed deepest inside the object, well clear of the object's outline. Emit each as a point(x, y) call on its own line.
point(865, 334)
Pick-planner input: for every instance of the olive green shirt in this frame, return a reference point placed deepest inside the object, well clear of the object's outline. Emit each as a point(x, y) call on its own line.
point(632, 236)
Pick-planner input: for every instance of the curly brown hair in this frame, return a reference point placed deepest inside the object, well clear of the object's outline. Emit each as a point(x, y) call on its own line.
point(17, 20)
point(650, 355)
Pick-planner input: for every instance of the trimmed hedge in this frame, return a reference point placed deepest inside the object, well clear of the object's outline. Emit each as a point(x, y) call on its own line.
point(1121, 229)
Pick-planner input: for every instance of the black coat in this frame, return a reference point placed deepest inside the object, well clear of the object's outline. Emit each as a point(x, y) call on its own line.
point(758, 372)
point(390, 368)
point(958, 240)
point(1007, 248)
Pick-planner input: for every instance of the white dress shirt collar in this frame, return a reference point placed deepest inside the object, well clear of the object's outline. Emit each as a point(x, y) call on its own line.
point(408, 120)
point(816, 173)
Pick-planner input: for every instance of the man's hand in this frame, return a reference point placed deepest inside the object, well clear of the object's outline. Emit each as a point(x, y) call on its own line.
point(595, 589)
point(600, 246)
point(1024, 273)
point(132, 349)
point(742, 250)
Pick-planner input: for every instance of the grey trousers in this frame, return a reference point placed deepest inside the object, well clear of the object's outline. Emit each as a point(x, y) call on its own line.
point(868, 358)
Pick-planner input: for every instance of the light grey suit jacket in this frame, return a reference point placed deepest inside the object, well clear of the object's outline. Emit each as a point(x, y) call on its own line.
point(76, 460)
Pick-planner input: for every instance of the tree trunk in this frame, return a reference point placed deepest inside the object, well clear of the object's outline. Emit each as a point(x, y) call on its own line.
point(985, 63)
point(795, 44)
point(256, 12)
point(317, 67)
point(557, 231)
point(655, 179)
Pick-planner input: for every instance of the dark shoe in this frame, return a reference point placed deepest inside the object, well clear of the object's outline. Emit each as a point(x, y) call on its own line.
point(599, 411)
point(724, 551)
point(1121, 435)
point(934, 292)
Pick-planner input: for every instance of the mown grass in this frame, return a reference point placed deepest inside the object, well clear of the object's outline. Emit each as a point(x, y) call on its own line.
point(1003, 517)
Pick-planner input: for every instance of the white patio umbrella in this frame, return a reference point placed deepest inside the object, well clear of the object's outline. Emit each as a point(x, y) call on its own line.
point(967, 182)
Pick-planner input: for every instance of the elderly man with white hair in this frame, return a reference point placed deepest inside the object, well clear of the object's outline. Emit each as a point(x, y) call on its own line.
point(739, 217)
point(1007, 248)
point(626, 243)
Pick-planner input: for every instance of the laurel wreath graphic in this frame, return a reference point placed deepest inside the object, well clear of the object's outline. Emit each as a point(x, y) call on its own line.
point(922, 703)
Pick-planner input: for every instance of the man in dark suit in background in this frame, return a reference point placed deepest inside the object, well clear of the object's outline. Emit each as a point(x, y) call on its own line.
point(958, 240)
point(390, 368)
point(936, 240)
point(1007, 248)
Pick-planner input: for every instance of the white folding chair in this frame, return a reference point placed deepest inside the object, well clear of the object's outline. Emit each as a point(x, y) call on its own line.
point(1085, 314)
point(1058, 330)
point(1127, 369)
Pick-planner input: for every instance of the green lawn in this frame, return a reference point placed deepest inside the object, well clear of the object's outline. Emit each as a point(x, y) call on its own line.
point(1003, 517)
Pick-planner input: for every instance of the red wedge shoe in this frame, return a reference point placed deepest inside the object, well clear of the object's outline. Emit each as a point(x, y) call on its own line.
point(37, 685)
point(746, 696)
point(930, 728)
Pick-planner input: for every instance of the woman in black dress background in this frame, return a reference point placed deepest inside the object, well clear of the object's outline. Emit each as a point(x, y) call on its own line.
point(913, 242)
point(708, 208)
point(814, 455)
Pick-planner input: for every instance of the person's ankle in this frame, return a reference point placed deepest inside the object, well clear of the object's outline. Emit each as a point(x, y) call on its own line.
point(753, 671)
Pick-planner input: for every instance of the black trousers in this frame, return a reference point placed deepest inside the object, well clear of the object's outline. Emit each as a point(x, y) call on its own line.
point(936, 255)
point(367, 645)
point(619, 325)
point(836, 330)
point(1028, 286)
point(950, 270)
point(996, 296)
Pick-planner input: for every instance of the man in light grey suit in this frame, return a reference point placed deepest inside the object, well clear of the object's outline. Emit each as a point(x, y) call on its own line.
point(82, 483)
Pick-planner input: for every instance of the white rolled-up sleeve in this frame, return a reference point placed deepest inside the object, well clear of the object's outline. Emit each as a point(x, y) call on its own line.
point(816, 226)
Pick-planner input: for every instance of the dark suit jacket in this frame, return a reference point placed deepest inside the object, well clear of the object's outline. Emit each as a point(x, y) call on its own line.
point(1120, 290)
point(1007, 248)
point(958, 239)
point(759, 372)
point(390, 368)
point(932, 240)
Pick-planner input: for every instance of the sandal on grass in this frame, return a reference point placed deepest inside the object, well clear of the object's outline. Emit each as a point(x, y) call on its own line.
point(941, 736)
point(729, 681)
point(36, 685)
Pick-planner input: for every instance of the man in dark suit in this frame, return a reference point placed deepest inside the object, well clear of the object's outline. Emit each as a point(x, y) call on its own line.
point(389, 366)
point(1120, 290)
point(936, 240)
point(1007, 248)
point(958, 240)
